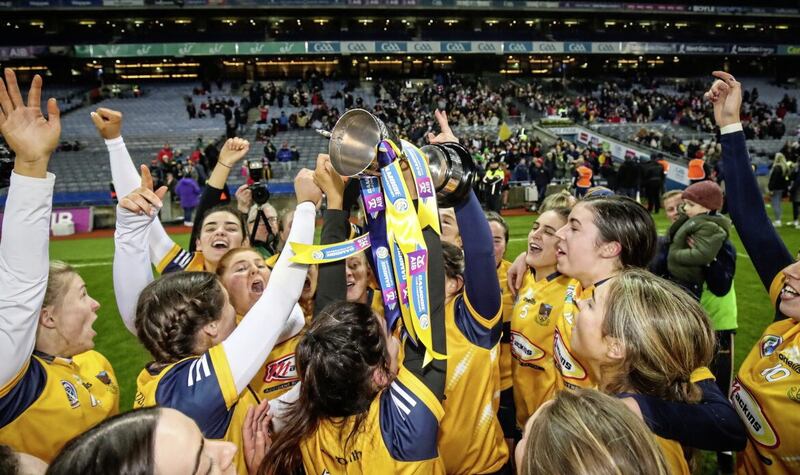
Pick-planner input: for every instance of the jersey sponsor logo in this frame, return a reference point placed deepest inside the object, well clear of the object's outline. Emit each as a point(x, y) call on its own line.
point(524, 350)
point(104, 377)
point(564, 360)
point(751, 413)
point(769, 344)
point(543, 317)
point(354, 456)
point(283, 369)
point(198, 370)
point(792, 364)
point(72, 394)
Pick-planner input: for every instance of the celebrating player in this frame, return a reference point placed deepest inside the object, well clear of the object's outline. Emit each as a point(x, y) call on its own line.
point(52, 385)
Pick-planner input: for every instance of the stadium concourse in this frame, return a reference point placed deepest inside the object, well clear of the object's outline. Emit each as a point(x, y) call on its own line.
point(597, 274)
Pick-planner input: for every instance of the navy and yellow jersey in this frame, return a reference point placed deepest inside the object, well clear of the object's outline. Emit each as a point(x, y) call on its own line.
point(53, 400)
point(505, 340)
point(471, 439)
point(572, 373)
point(202, 388)
point(766, 394)
point(398, 435)
point(178, 259)
point(539, 302)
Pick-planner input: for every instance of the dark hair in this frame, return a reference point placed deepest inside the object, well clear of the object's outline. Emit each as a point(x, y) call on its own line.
point(9, 462)
point(336, 359)
point(172, 309)
point(453, 260)
point(494, 216)
point(621, 219)
point(123, 444)
point(228, 208)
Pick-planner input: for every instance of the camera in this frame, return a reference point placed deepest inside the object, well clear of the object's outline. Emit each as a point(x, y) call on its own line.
point(259, 190)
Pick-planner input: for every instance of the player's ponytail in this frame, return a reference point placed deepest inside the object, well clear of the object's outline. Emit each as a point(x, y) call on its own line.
point(665, 333)
point(336, 361)
point(171, 311)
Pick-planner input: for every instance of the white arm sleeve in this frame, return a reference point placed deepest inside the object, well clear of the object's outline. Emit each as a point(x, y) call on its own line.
point(253, 339)
point(24, 267)
point(295, 324)
point(132, 271)
point(278, 407)
point(126, 179)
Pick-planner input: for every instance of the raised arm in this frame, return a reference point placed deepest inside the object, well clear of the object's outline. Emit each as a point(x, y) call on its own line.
point(132, 271)
point(126, 178)
point(332, 284)
point(250, 343)
point(24, 258)
point(480, 275)
point(745, 204)
point(232, 151)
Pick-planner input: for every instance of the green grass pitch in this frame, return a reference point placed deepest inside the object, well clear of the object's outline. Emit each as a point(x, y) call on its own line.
point(93, 258)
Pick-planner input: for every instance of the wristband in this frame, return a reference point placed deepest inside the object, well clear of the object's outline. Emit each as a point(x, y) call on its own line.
point(226, 166)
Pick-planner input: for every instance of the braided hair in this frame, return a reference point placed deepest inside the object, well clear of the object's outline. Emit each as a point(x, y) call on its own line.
point(172, 309)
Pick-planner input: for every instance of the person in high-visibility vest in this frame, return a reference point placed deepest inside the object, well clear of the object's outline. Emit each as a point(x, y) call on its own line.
point(698, 170)
point(583, 179)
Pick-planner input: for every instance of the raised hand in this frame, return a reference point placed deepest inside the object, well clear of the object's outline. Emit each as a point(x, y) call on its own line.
point(726, 95)
point(144, 200)
point(234, 150)
point(108, 122)
point(329, 181)
point(256, 440)
point(32, 137)
point(446, 134)
point(305, 189)
point(244, 199)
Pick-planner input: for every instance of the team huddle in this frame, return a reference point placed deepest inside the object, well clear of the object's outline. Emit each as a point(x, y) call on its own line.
point(574, 358)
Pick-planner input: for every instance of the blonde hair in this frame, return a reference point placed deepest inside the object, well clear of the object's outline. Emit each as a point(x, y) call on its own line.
point(562, 199)
point(670, 194)
point(58, 279)
point(665, 333)
point(585, 432)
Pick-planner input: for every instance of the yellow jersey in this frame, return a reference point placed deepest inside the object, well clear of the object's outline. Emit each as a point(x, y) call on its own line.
point(471, 439)
point(572, 373)
point(532, 330)
point(505, 340)
point(53, 400)
point(178, 259)
point(398, 435)
point(202, 388)
point(673, 455)
point(278, 374)
point(766, 394)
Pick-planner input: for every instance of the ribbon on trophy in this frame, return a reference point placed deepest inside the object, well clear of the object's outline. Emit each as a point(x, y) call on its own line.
point(322, 254)
point(409, 252)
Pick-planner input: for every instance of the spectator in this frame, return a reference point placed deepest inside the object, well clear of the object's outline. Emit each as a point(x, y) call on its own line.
point(778, 182)
point(521, 171)
point(628, 177)
point(188, 192)
point(285, 157)
point(652, 181)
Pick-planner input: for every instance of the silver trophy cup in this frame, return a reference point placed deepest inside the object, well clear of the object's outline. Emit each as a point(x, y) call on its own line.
point(353, 149)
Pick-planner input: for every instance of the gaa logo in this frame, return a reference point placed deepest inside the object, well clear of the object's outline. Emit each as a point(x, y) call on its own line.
point(357, 47)
point(577, 48)
point(605, 48)
point(487, 47)
point(401, 205)
point(390, 48)
point(423, 47)
point(318, 255)
point(546, 47)
point(382, 253)
point(455, 48)
point(323, 48)
point(517, 48)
